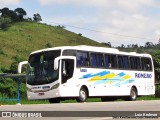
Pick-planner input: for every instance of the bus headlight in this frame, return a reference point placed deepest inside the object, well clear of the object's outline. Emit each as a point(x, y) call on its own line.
point(55, 86)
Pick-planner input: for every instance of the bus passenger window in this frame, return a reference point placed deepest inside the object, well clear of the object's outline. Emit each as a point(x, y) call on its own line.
point(100, 60)
point(93, 60)
point(146, 64)
point(109, 65)
point(123, 62)
point(135, 63)
point(120, 61)
point(110, 61)
point(82, 59)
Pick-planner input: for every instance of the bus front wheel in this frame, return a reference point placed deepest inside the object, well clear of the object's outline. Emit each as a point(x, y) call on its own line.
point(54, 100)
point(82, 95)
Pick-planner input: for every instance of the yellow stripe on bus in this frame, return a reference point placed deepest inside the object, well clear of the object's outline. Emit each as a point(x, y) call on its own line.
point(126, 77)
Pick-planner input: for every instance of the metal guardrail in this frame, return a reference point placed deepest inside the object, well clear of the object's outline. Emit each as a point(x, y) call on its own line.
point(18, 78)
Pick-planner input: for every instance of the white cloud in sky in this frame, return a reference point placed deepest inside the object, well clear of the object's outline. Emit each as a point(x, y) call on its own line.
point(9, 2)
point(75, 2)
point(99, 3)
point(136, 4)
point(134, 25)
point(135, 18)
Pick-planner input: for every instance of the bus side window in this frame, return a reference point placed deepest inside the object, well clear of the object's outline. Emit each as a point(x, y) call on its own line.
point(120, 61)
point(126, 62)
point(106, 61)
point(123, 62)
point(100, 60)
point(113, 61)
point(82, 59)
point(93, 59)
point(146, 63)
point(110, 61)
point(109, 65)
point(148, 66)
point(135, 63)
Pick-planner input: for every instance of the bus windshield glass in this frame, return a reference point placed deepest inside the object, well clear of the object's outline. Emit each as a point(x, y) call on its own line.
point(40, 68)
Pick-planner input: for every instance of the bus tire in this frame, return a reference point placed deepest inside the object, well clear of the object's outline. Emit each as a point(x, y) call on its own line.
point(82, 95)
point(54, 100)
point(133, 95)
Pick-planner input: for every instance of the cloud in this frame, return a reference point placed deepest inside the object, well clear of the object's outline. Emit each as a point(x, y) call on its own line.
point(123, 28)
point(121, 21)
point(75, 2)
point(136, 5)
point(100, 3)
point(9, 2)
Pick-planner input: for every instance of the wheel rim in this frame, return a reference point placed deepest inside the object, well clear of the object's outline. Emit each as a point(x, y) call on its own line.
point(83, 95)
point(133, 94)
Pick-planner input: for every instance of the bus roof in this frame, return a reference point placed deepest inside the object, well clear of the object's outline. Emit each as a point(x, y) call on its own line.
point(94, 49)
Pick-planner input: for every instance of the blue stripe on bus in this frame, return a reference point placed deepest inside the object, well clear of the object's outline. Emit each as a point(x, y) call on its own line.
point(101, 81)
point(97, 74)
point(121, 74)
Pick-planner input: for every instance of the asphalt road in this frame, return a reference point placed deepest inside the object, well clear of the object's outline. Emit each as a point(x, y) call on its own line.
point(85, 111)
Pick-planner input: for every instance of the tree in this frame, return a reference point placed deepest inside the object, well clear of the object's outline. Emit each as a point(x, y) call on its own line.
point(134, 45)
point(29, 19)
point(13, 68)
point(37, 17)
point(48, 45)
point(6, 13)
point(13, 16)
point(159, 41)
point(4, 22)
point(122, 46)
point(148, 44)
point(107, 44)
point(20, 13)
point(156, 60)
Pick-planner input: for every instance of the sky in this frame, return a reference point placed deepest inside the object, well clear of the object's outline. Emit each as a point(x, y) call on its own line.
point(115, 21)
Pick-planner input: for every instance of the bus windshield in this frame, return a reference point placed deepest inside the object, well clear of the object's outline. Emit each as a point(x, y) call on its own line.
point(40, 69)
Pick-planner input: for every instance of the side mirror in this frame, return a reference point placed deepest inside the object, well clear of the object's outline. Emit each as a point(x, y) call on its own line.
point(56, 63)
point(20, 66)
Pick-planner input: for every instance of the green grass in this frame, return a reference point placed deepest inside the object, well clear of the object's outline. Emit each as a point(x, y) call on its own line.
point(24, 37)
point(25, 101)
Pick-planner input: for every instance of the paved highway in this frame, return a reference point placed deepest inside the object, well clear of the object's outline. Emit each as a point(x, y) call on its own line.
point(74, 111)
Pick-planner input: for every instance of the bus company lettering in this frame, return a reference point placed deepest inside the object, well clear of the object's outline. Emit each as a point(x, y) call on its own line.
point(83, 70)
point(143, 75)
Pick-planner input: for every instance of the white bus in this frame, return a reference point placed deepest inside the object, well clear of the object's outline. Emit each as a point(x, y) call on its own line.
point(79, 72)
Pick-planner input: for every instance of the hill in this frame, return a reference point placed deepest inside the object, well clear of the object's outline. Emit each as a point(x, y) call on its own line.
point(24, 37)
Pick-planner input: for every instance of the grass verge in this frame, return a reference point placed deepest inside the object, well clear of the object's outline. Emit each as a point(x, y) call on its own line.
point(25, 101)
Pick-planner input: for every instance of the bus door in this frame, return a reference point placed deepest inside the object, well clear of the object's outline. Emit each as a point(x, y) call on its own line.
point(67, 65)
point(67, 69)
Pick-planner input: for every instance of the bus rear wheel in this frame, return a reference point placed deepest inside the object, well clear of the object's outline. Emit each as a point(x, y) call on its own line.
point(82, 95)
point(133, 95)
point(54, 100)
